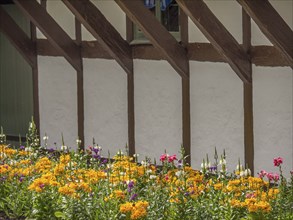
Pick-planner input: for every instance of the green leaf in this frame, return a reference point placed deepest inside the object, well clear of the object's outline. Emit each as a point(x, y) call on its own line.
point(59, 214)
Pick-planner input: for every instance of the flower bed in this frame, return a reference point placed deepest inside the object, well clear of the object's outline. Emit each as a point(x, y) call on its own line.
point(40, 184)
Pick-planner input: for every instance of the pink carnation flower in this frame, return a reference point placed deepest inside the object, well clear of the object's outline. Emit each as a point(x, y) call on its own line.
point(278, 161)
point(163, 157)
point(273, 177)
point(172, 158)
point(262, 174)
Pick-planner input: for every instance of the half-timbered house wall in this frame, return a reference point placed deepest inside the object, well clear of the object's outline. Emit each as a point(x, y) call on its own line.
point(216, 97)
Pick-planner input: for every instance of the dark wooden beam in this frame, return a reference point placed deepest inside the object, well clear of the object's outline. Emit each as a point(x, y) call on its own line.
point(109, 38)
point(18, 37)
point(219, 36)
point(172, 51)
point(131, 113)
point(35, 77)
point(54, 33)
point(80, 91)
point(6, 2)
point(203, 52)
point(248, 99)
point(185, 88)
point(272, 25)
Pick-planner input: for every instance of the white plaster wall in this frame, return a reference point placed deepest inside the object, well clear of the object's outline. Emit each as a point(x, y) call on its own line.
point(216, 113)
point(157, 109)
point(272, 105)
point(105, 98)
point(216, 97)
point(58, 102)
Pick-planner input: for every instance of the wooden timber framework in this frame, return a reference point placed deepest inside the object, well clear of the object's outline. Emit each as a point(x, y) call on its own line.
point(163, 46)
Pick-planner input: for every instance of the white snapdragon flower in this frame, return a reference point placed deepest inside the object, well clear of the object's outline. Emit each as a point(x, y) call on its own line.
point(64, 147)
point(239, 168)
point(222, 161)
point(28, 149)
point(245, 173)
point(205, 165)
point(145, 163)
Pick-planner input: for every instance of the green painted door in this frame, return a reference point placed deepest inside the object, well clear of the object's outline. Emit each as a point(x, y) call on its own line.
point(16, 88)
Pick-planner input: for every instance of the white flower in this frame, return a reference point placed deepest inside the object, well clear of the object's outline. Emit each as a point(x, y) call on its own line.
point(222, 161)
point(120, 152)
point(122, 173)
point(135, 155)
point(28, 149)
point(144, 163)
point(149, 171)
point(239, 168)
point(179, 173)
point(152, 177)
point(245, 173)
point(109, 166)
point(3, 155)
point(205, 165)
point(63, 147)
point(45, 138)
point(78, 142)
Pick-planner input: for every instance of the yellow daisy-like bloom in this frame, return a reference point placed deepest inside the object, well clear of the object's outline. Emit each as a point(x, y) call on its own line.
point(137, 210)
point(4, 168)
point(65, 159)
point(43, 165)
point(218, 186)
point(126, 207)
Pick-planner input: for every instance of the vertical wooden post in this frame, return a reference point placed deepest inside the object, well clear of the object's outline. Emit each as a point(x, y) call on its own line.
point(80, 92)
point(35, 77)
point(248, 99)
point(185, 82)
point(131, 113)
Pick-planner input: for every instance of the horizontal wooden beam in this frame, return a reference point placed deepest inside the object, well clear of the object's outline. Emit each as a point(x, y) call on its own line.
point(202, 52)
point(219, 36)
point(272, 25)
point(18, 38)
point(108, 37)
point(158, 35)
point(54, 33)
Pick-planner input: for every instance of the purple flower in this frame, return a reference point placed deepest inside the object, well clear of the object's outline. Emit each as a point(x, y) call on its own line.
point(96, 150)
point(213, 168)
point(97, 156)
point(22, 147)
point(21, 178)
point(130, 186)
point(133, 197)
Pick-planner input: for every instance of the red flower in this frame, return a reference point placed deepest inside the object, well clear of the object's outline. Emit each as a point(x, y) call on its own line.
point(163, 157)
point(278, 161)
point(172, 158)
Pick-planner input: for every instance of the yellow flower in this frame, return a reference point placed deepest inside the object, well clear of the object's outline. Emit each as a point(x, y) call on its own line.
point(137, 209)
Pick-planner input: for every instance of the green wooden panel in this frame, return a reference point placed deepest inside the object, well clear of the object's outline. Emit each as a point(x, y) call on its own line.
point(16, 93)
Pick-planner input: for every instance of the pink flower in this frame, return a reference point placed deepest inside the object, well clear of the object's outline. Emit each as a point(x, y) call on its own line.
point(278, 161)
point(163, 157)
point(250, 195)
point(172, 158)
point(273, 177)
point(262, 174)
